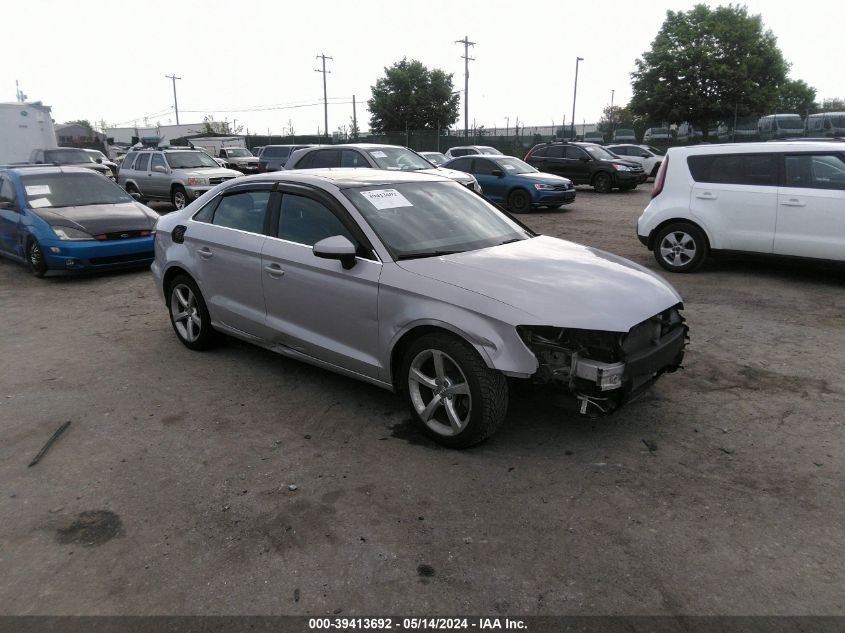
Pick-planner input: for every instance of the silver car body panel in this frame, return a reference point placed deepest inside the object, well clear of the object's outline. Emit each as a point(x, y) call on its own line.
point(350, 321)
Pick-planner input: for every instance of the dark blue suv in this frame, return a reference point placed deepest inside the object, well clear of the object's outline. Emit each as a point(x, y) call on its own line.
point(70, 218)
point(514, 183)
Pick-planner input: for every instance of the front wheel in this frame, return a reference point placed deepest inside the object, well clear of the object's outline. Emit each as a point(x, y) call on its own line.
point(454, 398)
point(519, 201)
point(179, 197)
point(189, 314)
point(35, 259)
point(680, 247)
point(603, 183)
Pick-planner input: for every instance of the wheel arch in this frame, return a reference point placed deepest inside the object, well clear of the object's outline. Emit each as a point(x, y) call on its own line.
point(170, 274)
point(607, 172)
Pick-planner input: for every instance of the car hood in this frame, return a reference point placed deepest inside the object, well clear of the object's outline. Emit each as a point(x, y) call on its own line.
point(454, 174)
point(101, 218)
point(539, 177)
point(242, 159)
point(100, 167)
point(209, 172)
point(555, 282)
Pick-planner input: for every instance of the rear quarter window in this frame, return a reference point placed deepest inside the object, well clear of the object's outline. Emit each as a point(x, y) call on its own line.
point(734, 169)
point(127, 162)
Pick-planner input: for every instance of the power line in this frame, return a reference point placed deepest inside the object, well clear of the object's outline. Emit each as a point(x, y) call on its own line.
point(467, 59)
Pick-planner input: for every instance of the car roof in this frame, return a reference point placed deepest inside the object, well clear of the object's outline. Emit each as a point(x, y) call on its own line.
point(754, 148)
point(343, 177)
point(24, 170)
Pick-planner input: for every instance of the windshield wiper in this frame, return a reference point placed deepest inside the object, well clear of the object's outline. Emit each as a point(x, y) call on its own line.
point(511, 241)
point(426, 254)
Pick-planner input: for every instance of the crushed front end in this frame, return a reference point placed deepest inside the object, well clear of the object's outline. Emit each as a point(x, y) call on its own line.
point(603, 370)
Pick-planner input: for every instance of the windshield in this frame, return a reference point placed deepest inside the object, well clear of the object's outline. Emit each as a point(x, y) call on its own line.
point(515, 166)
point(189, 160)
point(434, 157)
point(654, 150)
point(599, 152)
point(433, 218)
point(71, 190)
point(837, 119)
point(398, 158)
point(67, 156)
point(239, 153)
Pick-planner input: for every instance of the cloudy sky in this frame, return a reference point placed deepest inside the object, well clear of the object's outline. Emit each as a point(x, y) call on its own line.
point(254, 61)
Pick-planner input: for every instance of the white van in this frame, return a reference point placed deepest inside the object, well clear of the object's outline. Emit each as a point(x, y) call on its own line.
point(776, 126)
point(781, 198)
point(825, 124)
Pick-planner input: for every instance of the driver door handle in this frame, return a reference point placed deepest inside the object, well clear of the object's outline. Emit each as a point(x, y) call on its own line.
point(705, 196)
point(205, 252)
point(274, 270)
point(793, 202)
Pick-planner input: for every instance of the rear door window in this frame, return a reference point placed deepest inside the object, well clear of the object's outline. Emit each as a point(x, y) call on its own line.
point(462, 164)
point(325, 158)
point(143, 162)
point(734, 169)
point(483, 167)
point(574, 153)
point(244, 211)
point(541, 152)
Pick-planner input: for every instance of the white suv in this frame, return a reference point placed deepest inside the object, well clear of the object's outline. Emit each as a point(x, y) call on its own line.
point(783, 198)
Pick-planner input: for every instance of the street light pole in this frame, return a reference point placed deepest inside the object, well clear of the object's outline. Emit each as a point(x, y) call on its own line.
point(612, 94)
point(578, 60)
point(507, 125)
point(173, 78)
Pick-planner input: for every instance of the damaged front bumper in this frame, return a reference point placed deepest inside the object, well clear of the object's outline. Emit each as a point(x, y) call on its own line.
point(603, 370)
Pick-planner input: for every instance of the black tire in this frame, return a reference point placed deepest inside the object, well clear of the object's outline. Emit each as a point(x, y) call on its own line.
point(179, 197)
point(627, 187)
point(519, 201)
point(483, 408)
point(130, 189)
point(603, 182)
point(35, 258)
point(195, 336)
point(680, 247)
point(552, 207)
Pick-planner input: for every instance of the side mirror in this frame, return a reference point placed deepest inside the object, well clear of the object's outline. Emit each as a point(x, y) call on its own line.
point(135, 195)
point(5, 204)
point(160, 168)
point(336, 247)
point(497, 172)
point(99, 161)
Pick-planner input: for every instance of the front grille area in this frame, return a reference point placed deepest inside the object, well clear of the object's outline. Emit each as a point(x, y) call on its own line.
point(219, 179)
point(120, 259)
point(122, 235)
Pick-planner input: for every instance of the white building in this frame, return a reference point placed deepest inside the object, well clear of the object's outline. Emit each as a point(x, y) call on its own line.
point(165, 133)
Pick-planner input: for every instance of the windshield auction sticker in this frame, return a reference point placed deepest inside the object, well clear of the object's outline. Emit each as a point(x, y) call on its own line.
point(38, 190)
point(386, 198)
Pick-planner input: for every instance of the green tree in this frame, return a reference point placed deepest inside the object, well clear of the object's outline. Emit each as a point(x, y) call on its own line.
point(86, 125)
point(210, 126)
point(833, 104)
point(794, 95)
point(706, 62)
point(414, 97)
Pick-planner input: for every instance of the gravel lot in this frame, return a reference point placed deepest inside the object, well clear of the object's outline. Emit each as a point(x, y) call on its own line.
point(718, 492)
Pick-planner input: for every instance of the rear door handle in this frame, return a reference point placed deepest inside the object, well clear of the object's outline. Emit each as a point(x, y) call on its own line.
point(274, 270)
point(705, 196)
point(205, 253)
point(794, 202)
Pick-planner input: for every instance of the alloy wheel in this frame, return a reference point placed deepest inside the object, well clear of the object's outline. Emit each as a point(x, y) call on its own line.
point(185, 313)
point(677, 248)
point(439, 392)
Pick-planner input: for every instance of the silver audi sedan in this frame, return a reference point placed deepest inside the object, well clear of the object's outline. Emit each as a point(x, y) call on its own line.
point(414, 283)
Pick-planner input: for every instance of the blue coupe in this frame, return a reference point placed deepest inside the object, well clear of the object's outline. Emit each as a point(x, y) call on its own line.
point(514, 183)
point(69, 218)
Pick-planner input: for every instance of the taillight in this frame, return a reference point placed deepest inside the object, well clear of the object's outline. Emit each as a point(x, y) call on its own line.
point(262, 167)
point(527, 155)
point(660, 178)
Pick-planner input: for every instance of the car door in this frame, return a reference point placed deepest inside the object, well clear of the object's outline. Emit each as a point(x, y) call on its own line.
point(555, 161)
point(10, 217)
point(142, 173)
point(314, 306)
point(575, 165)
point(159, 177)
point(493, 186)
point(226, 237)
point(735, 197)
point(811, 206)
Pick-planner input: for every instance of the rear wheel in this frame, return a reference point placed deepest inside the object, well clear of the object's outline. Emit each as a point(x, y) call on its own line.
point(454, 398)
point(179, 197)
point(519, 201)
point(189, 314)
point(35, 259)
point(603, 183)
point(680, 247)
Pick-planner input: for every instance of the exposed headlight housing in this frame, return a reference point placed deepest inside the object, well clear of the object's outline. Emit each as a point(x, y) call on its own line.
point(544, 187)
point(70, 233)
point(197, 181)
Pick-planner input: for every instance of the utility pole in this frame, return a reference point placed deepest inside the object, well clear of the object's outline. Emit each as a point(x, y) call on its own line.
point(325, 98)
point(467, 59)
point(575, 93)
point(173, 78)
point(354, 119)
point(612, 94)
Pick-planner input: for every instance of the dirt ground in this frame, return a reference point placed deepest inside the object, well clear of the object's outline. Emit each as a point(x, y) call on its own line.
point(718, 492)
